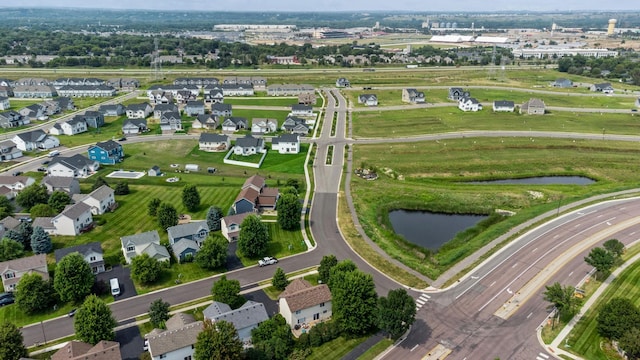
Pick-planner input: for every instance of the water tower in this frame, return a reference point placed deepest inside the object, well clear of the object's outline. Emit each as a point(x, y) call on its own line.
point(612, 26)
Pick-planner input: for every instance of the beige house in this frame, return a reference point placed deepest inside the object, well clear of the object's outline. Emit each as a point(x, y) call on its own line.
point(101, 200)
point(78, 350)
point(301, 303)
point(12, 271)
point(230, 226)
point(73, 220)
point(533, 107)
point(178, 341)
point(144, 243)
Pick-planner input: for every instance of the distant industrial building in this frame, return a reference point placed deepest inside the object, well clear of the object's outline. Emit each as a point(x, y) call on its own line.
point(560, 52)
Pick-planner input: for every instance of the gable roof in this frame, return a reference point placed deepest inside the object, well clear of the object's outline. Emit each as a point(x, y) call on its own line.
point(221, 107)
point(74, 211)
point(25, 263)
point(108, 145)
point(32, 136)
point(249, 314)
point(59, 181)
point(503, 103)
point(286, 138)
point(213, 138)
point(138, 107)
point(255, 180)
point(101, 193)
point(142, 238)
point(76, 350)
point(135, 122)
point(184, 230)
point(83, 249)
point(76, 161)
point(303, 296)
point(249, 141)
point(184, 244)
point(174, 339)
point(235, 219)
point(10, 222)
point(156, 251)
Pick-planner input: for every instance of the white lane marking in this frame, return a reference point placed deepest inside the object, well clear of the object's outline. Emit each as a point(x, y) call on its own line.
point(475, 277)
point(509, 291)
point(514, 265)
point(413, 348)
point(557, 236)
point(577, 225)
point(528, 316)
point(425, 296)
point(539, 259)
point(493, 283)
point(571, 273)
point(419, 301)
point(608, 223)
point(543, 355)
point(633, 233)
point(534, 250)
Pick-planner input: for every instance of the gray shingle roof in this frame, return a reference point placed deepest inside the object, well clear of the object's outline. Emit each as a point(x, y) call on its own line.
point(249, 314)
point(77, 161)
point(83, 249)
point(249, 141)
point(43, 222)
point(108, 145)
point(59, 181)
point(141, 238)
point(503, 103)
point(301, 295)
point(184, 244)
point(209, 137)
point(184, 230)
point(156, 251)
point(32, 136)
point(286, 138)
point(74, 211)
point(172, 340)
point(101, 193)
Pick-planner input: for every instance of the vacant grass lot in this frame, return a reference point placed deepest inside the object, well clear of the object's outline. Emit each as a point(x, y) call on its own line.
point(433, 173)
point(402, 123)
point(263, 101)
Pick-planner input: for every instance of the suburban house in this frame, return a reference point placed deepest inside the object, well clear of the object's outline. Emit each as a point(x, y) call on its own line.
point(213, 142)
point(237, 90)
point(469, 104)
point(233, 124)
point(75, 125)
point(413, 96)
point(258, 82)
point(230, 225)
point(112, 110)
point(11, 119)
point(342, 82)
point(107, 152)
point(220, 109)
point(5, 104)
point(205, 121)
point(94, 119)
point(255, 196)
point(8, 223)
point(46, 223)
point(533, 107)
point(134, 126)
point(91, 252)
point(307, 98)
point(144, 243)
point(60, 82)
point(301, 303)
point(65, 103)
point(186, 239)
point(244, 319)
point(289, 89)
point(73, 166)
point(197, 81)
point(368, 99)
point(87, 91)
point(73, 220)
point(503, 106)
point(263, 125)
point(194, 107)
point(9, 150)
point(138, 111)
point(33, 112)
point(604, 88)
point(170, 121)
point(67, 184)
point(213, 96)
point(6, 91)
point(36, 139)
point(286, 144)
point(249, 145)
point(12, 185)
point(124, 83)
point(101, 200)
point(34, 91)
point(12, 271)
point(77, 350)
point(295, 125)
point(562, 83)
point(456, 93)
point(160, 97)
point(301, 110)
point(154, 171)
point(178, 341)
point(160, 109)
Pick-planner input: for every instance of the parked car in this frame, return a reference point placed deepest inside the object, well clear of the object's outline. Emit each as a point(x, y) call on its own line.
point(7, 300)
point(46, 162)
point(16, 173)
point(72, 312)
point(145, 347)
point(269, 260)
point(42, 169)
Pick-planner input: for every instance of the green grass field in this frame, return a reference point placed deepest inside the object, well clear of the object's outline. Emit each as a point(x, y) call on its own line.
point(263, 101)
point(335, 349)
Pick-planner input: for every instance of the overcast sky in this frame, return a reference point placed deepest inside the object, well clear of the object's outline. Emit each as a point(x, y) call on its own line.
point(338, 5)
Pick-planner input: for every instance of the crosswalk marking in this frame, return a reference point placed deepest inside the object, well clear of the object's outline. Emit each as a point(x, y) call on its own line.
point(421, 301)
point(542, 356)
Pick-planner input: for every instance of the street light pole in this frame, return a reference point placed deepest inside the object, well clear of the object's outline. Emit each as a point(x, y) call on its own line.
point(43, 333)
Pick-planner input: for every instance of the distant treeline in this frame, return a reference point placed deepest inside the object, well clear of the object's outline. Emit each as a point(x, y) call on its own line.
point(626, 66)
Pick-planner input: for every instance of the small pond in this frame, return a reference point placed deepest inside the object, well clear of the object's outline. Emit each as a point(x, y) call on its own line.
point(541, 180)
point(430, 230)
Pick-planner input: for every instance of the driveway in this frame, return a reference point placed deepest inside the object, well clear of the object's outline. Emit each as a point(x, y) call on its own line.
point(259, 296)
point(130, 343)
point(233, 262)
point(127, 289)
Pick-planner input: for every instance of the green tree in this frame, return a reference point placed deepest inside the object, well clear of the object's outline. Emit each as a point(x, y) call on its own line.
point(337, 272)
point(158, 313)
point(253, 237)
point(153, 206)
point(6, 207)
point(58, 200)
point(213, 253)
point(42, 210)
point(145, 269)
point(21, 234)
point(99, 182)
point(279, 280)
point(616, 318)
point(326, 264)
point(32, 195)
point(73, 278)
point(396, 313)
point(94, 322)
point(354, 301)
point(600, 259)
point(40, 241)
point(214, 217)
point(167, 216)
point(630, 343)
point(11, 342)
point(218, 341)
point(122, 188)
point(10, 249)
point(273, 338)
point(227, 292)
point(563, 298)
point(615, 247)
point(289, 209)
point(33, 294)
point(294, 183)
point(191, 197)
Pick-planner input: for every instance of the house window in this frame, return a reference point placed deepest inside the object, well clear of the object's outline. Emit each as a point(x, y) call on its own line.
point(324, 312)
point(9, 275)
point(163, 356)
point(316, 316)
point(321, 304)
point(188, 357)
point(131, 248)
point(298, 312)
point(92, 258)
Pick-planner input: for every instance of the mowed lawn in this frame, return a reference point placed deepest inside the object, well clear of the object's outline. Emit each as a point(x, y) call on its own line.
point(584, 339)
point(401, 123)
point(263, 101)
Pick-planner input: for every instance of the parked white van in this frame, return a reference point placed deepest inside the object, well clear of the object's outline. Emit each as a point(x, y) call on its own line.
point(115, 287)
point(54, 153)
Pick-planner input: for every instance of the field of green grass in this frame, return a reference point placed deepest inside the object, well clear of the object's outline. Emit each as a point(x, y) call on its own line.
point(431, 175)
point(335, 349)
point(262, 101)
point(401, 123)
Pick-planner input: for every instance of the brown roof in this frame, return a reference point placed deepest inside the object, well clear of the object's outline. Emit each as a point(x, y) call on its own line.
point(172, 340)
point(25, 264)
point(235, 219)
point(255, 180)
point(248, 193)
point(179, 320)
point(10, 222)
point(301, 295)
point(77, 350)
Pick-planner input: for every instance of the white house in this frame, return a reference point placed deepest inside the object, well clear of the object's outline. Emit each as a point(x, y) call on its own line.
point(213, 142)
point(74, 166)
point(230, 225)
point(503, 106)
point(101, 200)
point(74, 126)
point(177, 342)
point(9, 150)
point(469, 104)
point(244, 319)
point(15, 184)
point(73, 220)
point(263, 125)
point(233, 124)
point(4, 103)
point(301, 110)
point(368, 99)
point(286, 144)
point(249, 145)
point(301, 303)
point(92, 254)
point(138, 111)
point(144, 243)
point(12, 271)
point(36, 139)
